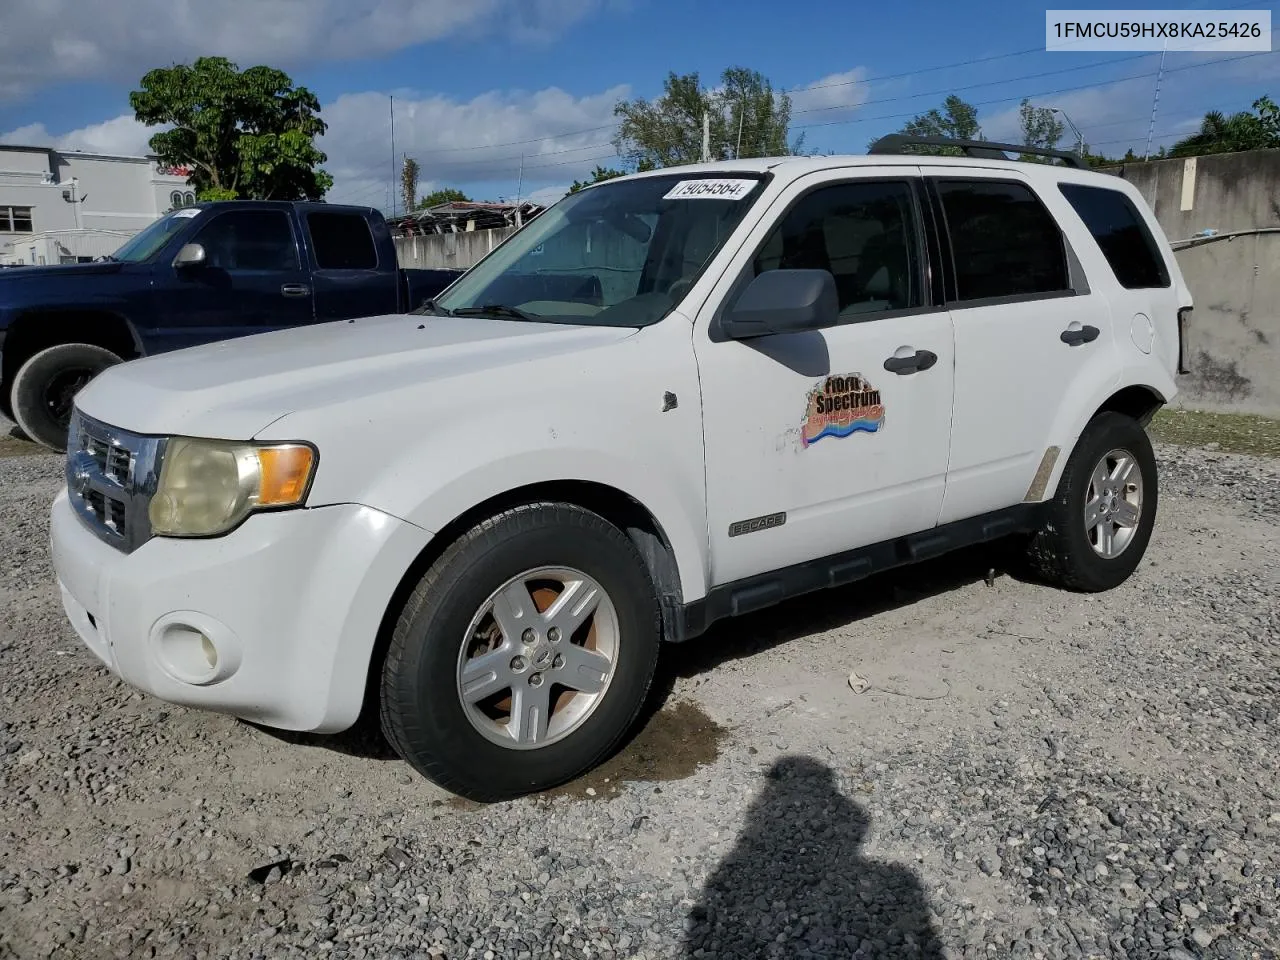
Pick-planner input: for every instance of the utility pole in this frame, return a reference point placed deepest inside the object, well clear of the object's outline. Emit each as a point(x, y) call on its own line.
point(519, 191)
point(742, 112)
point(1155, 101)
point(393, 156)
point(706, 137)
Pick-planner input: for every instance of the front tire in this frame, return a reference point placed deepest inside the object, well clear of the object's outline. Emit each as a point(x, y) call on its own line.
point(45, 387)
point(1099, 523)
point(524, 655)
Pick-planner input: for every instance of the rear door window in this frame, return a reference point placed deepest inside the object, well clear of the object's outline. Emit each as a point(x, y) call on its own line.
point(1121, 233)
point(342, 241)
point(1004, 243)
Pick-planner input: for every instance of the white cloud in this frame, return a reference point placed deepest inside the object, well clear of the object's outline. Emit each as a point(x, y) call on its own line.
point(119, 135)
point(477, 141)
point(832, 96)
point(58, 40)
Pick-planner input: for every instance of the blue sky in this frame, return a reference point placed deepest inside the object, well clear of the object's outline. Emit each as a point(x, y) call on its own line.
point(476, 83)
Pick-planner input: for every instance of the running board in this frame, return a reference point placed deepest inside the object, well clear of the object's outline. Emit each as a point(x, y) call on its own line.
point(767, 589)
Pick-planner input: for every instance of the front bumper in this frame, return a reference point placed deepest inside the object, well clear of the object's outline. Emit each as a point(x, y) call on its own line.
point(274, 622)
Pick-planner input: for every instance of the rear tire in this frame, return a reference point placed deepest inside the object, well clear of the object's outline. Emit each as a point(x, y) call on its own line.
point(45, 387)
point(1099, 523)
point(524, 655)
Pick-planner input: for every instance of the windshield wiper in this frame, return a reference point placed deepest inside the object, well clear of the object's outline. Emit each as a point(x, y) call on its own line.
point(495, 310)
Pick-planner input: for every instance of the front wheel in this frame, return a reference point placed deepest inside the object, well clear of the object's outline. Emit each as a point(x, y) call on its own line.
point(1099, 523)
point(524, 655)
point(45, 386)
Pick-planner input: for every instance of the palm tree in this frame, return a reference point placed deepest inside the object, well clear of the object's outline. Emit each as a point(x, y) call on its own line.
point(1219, 133)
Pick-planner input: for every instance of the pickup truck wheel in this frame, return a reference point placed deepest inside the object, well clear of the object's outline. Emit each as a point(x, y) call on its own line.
point(1100, 521)
point(46, 385)
point(524, 655)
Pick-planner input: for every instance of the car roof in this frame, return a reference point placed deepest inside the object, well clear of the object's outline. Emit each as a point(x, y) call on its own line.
point(793, 167)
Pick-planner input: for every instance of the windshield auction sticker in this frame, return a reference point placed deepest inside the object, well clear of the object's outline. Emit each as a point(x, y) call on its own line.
point(710, 190)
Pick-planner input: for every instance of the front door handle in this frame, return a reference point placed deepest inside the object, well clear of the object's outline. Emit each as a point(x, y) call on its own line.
point(1074, 336)
point(295, 290)
point(913, 363)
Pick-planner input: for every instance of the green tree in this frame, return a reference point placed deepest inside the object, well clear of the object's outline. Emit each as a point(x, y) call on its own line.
point(598, 175)
point(957, 120)
point(1040, 128)
point(1220, 133)
point(444, 195)
point(248, 135)
point(409, 183)
point(667, 131)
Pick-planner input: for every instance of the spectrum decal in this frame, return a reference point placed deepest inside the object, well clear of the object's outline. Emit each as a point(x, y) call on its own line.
point(841, 406)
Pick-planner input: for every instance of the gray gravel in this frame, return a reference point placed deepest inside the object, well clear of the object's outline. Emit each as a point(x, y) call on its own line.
point(1029, 774)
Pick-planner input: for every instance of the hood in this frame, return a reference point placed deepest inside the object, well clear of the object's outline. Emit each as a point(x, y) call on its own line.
point(232, 389)
point(58, 271)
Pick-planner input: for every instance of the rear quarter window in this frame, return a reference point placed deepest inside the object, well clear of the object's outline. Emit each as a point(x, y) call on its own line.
point(342, 241)
point(1121, 233)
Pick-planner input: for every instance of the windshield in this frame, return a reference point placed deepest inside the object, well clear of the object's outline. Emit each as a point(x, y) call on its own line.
point(620, 254)
point(142, 245)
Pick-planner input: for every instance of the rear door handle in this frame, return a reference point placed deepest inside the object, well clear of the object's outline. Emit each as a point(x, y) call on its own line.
point(1074, 336)
point(914, 363)
point(295, 290)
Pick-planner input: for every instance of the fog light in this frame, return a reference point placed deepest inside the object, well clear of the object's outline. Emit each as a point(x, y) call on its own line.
point(194, 648)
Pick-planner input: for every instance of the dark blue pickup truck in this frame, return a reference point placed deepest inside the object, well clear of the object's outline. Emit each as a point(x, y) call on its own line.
point(202, 273)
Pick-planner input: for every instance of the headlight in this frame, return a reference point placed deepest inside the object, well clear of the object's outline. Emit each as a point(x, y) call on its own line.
point(208, 487)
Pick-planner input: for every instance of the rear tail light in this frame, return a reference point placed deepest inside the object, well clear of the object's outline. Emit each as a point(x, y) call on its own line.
point(1184, 316)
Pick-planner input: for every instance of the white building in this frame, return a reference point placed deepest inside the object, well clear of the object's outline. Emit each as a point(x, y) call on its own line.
point(64, 206)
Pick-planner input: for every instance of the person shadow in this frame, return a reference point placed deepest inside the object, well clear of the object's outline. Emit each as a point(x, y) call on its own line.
point(797, 885)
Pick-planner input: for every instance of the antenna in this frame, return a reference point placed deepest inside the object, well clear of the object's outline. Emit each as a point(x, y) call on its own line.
point(393, 156)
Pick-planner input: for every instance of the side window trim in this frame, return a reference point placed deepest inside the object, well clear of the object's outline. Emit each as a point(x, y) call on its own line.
point(924, 265)
point(1079, 285)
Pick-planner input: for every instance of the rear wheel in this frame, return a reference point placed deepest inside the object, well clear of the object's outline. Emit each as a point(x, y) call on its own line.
point(1099, 523)
point(45, 387)
point(524, 655)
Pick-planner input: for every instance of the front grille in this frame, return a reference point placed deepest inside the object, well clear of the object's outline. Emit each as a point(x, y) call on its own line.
point(111, 477)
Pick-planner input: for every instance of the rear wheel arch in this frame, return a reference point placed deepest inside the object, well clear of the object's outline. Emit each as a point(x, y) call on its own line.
point(1138, 402)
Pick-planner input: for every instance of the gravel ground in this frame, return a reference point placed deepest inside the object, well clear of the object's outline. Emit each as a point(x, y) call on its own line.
point(1028, 773)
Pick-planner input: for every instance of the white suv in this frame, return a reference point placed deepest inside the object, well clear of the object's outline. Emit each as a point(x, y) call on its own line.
point(672, 398)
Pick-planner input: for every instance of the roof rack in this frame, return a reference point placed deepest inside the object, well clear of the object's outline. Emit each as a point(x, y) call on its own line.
point(984, 149)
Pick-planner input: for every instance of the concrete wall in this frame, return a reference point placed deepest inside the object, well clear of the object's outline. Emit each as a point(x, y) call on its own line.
point(1234, 338)
point(449, 250)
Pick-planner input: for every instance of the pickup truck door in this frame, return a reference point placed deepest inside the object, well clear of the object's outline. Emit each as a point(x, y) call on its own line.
point(354, 274)
point(821, 442)
point(252, 281)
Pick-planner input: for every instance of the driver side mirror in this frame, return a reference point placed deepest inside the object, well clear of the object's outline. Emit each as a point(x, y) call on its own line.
point(191, 255)
point(783, 301)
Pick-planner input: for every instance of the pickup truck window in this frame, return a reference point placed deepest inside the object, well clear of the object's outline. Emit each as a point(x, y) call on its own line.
point(619, 254)
point(864, 234)
point(342, 241)
point(249, 240)
point(142, 245)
